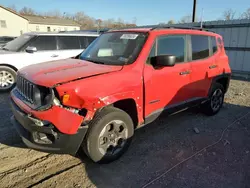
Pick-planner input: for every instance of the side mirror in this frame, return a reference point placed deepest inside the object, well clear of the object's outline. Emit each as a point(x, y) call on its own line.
point(31, 49)
point(163, 60)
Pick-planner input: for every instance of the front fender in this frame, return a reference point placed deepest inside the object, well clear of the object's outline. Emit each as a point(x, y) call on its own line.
point(101, 102)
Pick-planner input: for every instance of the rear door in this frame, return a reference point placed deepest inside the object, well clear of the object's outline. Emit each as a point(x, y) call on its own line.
point(202, 62)
point(68, 46)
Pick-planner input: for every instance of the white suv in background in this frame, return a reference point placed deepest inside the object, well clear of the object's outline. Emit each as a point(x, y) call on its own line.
point(32, 48)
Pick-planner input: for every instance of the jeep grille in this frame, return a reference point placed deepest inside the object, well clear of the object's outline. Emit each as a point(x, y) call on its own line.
point(26, 89)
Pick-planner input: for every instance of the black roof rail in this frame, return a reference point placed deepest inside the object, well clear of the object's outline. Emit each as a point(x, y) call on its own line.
point(181, 27)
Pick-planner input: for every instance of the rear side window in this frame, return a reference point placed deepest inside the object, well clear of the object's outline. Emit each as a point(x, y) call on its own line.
point(43, 43)
point(200, 47)
point(68, 42)
point(172, 45)
point(86, 41)
point(214, 45)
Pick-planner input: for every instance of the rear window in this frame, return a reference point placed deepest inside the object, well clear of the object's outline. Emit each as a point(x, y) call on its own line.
point(200, 47)
point(68, 42)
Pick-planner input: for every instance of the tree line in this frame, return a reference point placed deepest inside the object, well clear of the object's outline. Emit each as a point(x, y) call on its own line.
point(80, 17)
point(228, 14)
point(88, 22)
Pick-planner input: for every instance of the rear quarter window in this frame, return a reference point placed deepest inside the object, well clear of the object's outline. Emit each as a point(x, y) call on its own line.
point(214, 45)
point(85, 41)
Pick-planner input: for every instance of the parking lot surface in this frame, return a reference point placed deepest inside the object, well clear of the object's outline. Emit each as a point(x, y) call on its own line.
point(188, 149)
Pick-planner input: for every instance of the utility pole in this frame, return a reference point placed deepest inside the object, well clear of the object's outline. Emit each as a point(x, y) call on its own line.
point(194, 11)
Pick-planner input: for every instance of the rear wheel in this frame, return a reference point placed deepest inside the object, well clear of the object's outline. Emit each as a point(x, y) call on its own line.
point(7, 78)
point(109, 135)
point(216, 99)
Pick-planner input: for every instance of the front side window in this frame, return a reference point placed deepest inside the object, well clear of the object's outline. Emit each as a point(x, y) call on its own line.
point(43, 43)
point(172, 45)
point(200, 47)
point(116, 48)
point(68, 42)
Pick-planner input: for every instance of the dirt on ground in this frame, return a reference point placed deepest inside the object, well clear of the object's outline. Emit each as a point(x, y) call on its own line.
point(188, 149)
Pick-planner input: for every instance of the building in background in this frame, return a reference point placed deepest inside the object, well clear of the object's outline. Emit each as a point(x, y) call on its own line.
point(14, 24)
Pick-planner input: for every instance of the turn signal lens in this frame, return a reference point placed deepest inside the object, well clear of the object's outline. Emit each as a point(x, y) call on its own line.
point(65, 98)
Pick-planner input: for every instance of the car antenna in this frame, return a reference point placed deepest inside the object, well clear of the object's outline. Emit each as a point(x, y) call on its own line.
point(202, 18)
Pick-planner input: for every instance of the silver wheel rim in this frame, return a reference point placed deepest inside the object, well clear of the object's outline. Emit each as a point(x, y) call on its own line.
point(217, 99)
point(6, 79)
point(113, 137)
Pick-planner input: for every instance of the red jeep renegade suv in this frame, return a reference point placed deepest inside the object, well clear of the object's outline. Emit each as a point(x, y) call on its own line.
point(122, 81)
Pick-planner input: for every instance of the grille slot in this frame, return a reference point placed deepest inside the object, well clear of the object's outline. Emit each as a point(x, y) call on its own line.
point(26, 89)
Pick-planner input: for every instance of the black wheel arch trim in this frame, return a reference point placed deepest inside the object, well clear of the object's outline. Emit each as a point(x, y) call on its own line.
point(216, 78)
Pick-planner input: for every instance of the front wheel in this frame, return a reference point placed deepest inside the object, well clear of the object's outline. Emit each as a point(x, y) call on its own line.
point(216, 100)
point(109, 135)
point(7, 78)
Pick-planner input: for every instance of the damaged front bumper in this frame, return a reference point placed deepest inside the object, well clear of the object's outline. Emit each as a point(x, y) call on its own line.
point(43, 135)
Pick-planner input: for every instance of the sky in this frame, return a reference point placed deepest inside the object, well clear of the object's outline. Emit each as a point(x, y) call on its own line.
point(146, 12)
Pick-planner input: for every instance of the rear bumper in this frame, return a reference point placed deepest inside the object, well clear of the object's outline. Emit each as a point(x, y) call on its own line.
point(47, 137)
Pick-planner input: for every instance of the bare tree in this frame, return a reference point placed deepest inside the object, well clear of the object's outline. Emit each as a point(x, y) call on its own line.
point(246, 14)
point(171, 22)
point(55, 14)
point(84, 20)
point(186, 19)
point(13, 8)
point(27, 11)
point(134, 20)
point(229, 14)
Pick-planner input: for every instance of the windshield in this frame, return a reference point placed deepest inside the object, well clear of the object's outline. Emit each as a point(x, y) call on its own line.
point(117, 48)
point(17, 43)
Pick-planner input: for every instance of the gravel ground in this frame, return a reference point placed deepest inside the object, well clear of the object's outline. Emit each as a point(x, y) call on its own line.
point(166, 153)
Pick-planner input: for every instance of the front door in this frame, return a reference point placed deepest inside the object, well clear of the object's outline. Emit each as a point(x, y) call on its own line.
point(167, 86)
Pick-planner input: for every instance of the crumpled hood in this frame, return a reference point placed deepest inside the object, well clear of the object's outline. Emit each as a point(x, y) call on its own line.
point(63, 71)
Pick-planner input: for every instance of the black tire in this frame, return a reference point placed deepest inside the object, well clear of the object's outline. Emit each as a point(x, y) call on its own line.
point(91, 143)
point(12, 74)
point(209, 108)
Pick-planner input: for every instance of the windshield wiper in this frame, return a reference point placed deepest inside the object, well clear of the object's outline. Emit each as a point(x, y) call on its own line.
point(94, 61)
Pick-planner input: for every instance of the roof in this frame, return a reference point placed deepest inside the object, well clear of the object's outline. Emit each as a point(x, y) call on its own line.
point(50, 20)
point(63, 34)
point(14, 12)
point(133, 29)
point(158, 29)
point(44, 20)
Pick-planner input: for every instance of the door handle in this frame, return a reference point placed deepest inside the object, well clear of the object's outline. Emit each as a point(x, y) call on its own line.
point(54, 55)
point(185, 72)
point(212, 66)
